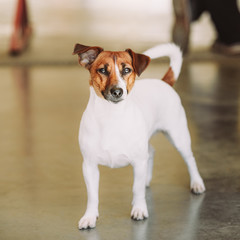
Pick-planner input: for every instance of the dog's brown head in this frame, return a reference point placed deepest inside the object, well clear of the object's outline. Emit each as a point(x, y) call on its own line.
point(112, 73)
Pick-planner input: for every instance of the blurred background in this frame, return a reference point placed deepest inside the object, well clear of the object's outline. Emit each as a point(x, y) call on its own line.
point(58, 25)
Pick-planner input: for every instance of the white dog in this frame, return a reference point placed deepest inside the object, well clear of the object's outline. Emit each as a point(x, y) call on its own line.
point(121, 117)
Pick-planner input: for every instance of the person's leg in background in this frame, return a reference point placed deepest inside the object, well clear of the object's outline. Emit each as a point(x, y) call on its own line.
point(186, 11)
point(226, 18)
point(224, 14)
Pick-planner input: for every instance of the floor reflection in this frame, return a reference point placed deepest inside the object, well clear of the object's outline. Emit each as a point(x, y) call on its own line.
point(22, 82)
point(145, 230)
point(91, 234)
point(216, 104)
point(192, 218)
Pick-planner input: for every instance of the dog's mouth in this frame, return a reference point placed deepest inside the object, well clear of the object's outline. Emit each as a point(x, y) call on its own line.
point(114, 100)
point(114, 94)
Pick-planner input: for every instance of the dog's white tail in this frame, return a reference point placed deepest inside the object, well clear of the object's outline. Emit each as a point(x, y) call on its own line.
point(169, 50)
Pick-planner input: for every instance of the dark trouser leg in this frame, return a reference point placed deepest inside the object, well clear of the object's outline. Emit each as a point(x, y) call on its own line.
point(226, 18)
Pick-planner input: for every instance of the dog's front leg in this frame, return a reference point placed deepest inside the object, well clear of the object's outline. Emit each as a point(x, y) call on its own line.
point(91, 177)
point(139, 209)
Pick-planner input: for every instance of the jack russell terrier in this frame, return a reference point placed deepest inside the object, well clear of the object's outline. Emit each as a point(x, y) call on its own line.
point(121, 116)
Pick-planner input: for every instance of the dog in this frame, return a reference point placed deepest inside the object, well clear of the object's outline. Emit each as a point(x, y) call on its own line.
point(122, 115)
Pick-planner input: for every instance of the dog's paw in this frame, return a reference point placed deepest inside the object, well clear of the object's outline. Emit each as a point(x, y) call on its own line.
point(197, 186)
point(139, 212)
point(87, 222)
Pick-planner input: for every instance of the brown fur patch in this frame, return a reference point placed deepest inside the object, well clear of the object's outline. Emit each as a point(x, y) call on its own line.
point(101, 82)
point(169, 77)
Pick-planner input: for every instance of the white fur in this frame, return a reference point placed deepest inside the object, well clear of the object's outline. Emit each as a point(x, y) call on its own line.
point(170, 50)
point(116, 135)
point(121, 82)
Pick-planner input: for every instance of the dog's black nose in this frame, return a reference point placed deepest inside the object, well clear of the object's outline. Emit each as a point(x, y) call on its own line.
point(116, 92)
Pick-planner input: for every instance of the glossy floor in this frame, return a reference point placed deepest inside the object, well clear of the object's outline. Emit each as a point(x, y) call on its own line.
point(42, 192)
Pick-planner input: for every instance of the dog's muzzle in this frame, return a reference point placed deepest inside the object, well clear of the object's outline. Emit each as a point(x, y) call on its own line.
point(113, 94)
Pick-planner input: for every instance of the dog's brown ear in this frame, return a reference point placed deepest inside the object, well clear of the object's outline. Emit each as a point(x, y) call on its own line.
point(140, 61)
point(86, 54)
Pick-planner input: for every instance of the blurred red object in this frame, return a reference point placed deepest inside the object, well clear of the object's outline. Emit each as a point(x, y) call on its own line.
point(22, 30)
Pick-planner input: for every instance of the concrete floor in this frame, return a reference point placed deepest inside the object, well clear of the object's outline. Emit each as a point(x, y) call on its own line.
point(42, 192)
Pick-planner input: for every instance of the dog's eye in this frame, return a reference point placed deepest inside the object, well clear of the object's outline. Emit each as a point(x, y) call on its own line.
point(126, 71)
point(102, 71)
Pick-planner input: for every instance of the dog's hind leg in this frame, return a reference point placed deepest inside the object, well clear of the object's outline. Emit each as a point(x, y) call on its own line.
point(151, 152)
point(180, 138)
